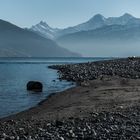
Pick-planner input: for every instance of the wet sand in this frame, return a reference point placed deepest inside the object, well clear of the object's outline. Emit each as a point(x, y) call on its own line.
point(108, 94)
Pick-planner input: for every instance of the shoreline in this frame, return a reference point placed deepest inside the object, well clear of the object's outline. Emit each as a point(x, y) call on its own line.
point(56, 67)
point(103, 105)
point(101, 86)
point(28, 112)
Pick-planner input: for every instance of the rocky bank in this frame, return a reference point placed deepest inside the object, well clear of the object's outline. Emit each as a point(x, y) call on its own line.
point(104, 105)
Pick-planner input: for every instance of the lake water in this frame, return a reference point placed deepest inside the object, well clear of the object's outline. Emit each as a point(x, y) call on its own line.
point(15, 73)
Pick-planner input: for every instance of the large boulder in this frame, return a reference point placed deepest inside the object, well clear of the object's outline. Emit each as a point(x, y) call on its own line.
point(35, 86)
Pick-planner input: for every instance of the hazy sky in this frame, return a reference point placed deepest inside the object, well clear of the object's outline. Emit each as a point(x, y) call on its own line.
point(63, 13)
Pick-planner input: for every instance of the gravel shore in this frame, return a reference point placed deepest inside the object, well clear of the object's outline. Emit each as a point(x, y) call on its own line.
point(104, 105)
point(128, 68)
point(97, 126)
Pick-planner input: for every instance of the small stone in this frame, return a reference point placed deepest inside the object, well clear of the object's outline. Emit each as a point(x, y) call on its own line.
point(41, 129)
point(71, 131)
point(61, 138)
point(121, 107)
point(21, 129)
point(12, 137)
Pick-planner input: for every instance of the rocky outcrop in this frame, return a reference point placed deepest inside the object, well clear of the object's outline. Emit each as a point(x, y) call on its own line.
point(35, 86)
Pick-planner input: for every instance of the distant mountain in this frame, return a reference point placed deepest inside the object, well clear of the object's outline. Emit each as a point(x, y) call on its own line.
point(110, 32)
point(18, 42)
point(45, 30)
point(122, 20)
point(95, 22)
point(111, 40)
point(100, 36)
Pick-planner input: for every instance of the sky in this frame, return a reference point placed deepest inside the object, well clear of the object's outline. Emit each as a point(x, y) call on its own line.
point(63, 13)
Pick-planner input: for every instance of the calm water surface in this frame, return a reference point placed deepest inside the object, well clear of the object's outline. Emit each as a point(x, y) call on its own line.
point(15, 73)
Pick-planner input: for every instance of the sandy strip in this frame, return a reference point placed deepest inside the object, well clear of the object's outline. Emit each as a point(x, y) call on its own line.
point(108, 94)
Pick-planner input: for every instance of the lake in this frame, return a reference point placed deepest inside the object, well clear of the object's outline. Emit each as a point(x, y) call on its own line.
point(15, 74)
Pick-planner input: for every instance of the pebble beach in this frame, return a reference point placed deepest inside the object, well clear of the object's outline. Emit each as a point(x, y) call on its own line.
point(105, 104)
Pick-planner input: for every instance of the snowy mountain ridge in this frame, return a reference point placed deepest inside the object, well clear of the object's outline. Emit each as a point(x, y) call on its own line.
point(95, 22)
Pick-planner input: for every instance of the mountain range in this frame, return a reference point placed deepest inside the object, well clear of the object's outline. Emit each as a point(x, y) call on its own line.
point(18, 42)
point(95, 22)
point(99, 36)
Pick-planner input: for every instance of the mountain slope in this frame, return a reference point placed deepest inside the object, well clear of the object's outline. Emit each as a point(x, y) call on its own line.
point(112, 40)
point(18, 42)
point(45, 30)
point(101, 36)
point(113, 32)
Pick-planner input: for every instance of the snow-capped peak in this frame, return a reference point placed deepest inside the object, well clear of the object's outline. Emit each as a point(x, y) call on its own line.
point(126, 15)
point(44, 24)
point(44, 29)
point(97, 17)
point(97, 21)
point(122, 20)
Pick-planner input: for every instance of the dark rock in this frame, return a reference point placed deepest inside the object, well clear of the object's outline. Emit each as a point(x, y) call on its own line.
point(35, 86)
point(58, 123)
